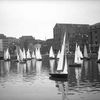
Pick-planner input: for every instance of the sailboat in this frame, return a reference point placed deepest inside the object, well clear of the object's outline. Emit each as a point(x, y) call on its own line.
point(33, 55)
point(24, 55)
point(86, 57)
point(58, 54)
point(78, 57)
point(98, 61)
point(51, 53)
point(38, 54)
point(21, 58)
point(28, 56)
point(62, 68)
point(6, 55)
point(17, 60)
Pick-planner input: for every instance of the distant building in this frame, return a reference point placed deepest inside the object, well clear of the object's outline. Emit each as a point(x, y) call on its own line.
point(46, 46)
point(2, 36)
point(25, 41)
point(94, 37)
point(74, 33)
point(3, 46)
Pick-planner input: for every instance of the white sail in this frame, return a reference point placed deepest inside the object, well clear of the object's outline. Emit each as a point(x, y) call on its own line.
point(20, 55)
point(61, 60)
point(85, 51)
point(24, 54)
point(33, 54)
point(28, 54)
point(99, 53)
point(65, 71)
point(58, 54)
point(38, 54)
point(75, 59)
point(17, 57)
point(80, 52)
point(78, 55)
point(51, 53)
point(6, 54)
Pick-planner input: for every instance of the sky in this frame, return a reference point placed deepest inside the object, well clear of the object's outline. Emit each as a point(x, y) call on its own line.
point(38, 17)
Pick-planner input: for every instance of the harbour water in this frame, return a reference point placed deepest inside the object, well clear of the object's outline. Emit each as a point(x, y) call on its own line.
point(30, 81)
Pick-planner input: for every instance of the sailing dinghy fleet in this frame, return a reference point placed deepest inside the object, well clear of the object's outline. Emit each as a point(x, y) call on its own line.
point(61, 71)
point(22, 56)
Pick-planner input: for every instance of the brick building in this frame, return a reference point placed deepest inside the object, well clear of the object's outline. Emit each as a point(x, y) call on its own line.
point(74, 33)
point(94, 37)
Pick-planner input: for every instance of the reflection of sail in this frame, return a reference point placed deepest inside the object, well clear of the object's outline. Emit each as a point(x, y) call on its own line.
point(1, 69)
point(28, 65)
point(18, 68)
point(99, 68)
point(78, 74)
point(86, 67)
point(63, 88)
point(38, 67)
point(33, 62)
point(52, 63)
point(7, 66)
point(24, 68)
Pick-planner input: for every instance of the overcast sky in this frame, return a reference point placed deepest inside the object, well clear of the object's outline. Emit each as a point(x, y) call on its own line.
point(37, 18)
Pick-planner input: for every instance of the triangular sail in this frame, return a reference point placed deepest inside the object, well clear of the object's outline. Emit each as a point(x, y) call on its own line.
point(65, 71)
point(21, 55)
point(33, 54)
point(28, 54)
point(17, 57)
point(61, 60)
point(6, 54)
point(85, 51)
point(75, 59)
point(38, 54)
point(58, 54)
point(51, 53)
point(24, 54)
point(78, 55)
point(99, 53)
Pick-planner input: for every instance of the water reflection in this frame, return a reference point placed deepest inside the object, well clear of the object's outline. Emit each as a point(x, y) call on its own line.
point(4, 68)
point(78, 75)
point(62, 89)
point(99, 68)
point(38, 67)
point(52, 65)
point(32, 78)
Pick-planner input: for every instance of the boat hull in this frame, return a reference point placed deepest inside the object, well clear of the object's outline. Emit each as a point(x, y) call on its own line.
point(85, 58)
point(51, 58)
point(75, 65)
point(58, 79)
point(39, 59)
point(98, 61)
point(57, 75)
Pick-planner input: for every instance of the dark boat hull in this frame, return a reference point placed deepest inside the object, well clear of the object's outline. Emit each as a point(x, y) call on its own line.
point(75, 65)
point(57, 75)
point(39, 59)
point(58, 79)
point(85, 58)
point(51, 58)
point(98, 61)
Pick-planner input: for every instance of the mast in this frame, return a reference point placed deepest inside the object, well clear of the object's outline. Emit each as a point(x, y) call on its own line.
point(61, 60)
